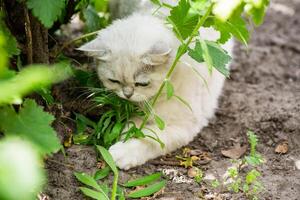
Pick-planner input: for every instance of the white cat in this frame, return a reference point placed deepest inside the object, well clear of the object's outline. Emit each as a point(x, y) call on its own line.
point(133, 56)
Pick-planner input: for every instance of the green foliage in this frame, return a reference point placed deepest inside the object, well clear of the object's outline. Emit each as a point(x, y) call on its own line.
point(256, 9)
point(254, 158)
point(159, 122)
point(246, 181)
point(93, 21)
point(31, 78)
point(30, 123)
point(148, 190)
point(10, 44)
point(143, 180)
point(218, 57)
point(215, 183)
point(102, 173)
point(101, 191)
point(183, 20)
point(109, 160)
point(47, 11)
point(86, 179)
point(170, 89)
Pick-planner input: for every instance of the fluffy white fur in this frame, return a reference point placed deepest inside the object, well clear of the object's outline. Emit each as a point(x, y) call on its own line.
point(140, 49)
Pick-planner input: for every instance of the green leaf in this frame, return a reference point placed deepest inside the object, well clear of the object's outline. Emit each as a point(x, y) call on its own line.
point(206, 55)
point(238, 28)
point(100, 174)
point(183, 21)
point(114, 134)
point(85, 120)
point(159, 122)
point(47, 11)
point(10, 44)
point(30, 79)
point(143, 180)
point(219, 58)
point(252, 176)
point(92, 19)
point(30, 123)
point(93, 194)
point(87, 180)
point(108, 158)
point(170, 89)
point(156, 2)
point(257, 10)
point(148, 190)
point(120, 194)
point(46, 95)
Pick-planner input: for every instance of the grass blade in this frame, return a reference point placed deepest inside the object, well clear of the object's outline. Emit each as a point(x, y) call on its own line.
point(143, 180)
point(109, 160)
point(87, 180)
point(100, 174)
point(148, 190)
point(159, 122)
point(93, 194)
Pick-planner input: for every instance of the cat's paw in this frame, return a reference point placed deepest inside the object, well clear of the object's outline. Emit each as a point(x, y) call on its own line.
point(129, 154)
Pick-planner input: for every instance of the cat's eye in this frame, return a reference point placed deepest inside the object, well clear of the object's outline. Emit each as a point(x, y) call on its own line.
point(143, 84)
point(114, 81)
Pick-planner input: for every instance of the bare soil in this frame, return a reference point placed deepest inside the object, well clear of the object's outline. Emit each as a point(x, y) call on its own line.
point(263, 95)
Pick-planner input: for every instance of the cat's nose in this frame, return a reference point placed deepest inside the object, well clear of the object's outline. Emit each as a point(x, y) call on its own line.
point(128, 91)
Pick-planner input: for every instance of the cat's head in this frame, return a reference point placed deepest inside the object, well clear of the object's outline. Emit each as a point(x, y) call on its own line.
point(132, 57)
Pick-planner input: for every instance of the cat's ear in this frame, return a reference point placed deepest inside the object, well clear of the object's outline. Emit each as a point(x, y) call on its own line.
point(95, 48)
point(158, 55)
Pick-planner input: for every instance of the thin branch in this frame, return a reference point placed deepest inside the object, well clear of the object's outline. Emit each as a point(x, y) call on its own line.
point(28, 36)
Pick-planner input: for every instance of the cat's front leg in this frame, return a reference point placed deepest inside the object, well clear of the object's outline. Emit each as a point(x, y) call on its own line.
point(135, 152)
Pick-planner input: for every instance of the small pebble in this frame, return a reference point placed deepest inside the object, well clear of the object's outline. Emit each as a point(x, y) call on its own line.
point(297, 163)
point(209, 177)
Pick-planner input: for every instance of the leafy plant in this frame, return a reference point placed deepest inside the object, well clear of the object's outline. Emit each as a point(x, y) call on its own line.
point(247, 182)
point(30, 123)
point(188, 17)
point(101, 191)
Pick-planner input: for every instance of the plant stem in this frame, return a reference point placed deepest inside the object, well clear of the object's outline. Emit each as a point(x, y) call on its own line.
point(67, 43)
point(114, 186)
point(180, 52)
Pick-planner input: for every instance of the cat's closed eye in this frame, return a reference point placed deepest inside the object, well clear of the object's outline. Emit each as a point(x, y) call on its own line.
point(114, 81)
point(143, 84)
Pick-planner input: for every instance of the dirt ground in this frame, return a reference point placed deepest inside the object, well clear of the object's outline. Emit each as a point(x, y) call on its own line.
point(263, 95)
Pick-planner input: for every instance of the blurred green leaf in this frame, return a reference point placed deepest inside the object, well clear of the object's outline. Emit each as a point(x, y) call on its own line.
point(92, 19)
point(156, 2)
point(252, 176)
point(31, 78)
point(256, 9)
point(47, 11)
point(159, 122)
point(143, 180)
point(21, 173)
point(9, 43)
point(170, 89)
point(148, 190)
point(30, 123)
point(46, 95)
